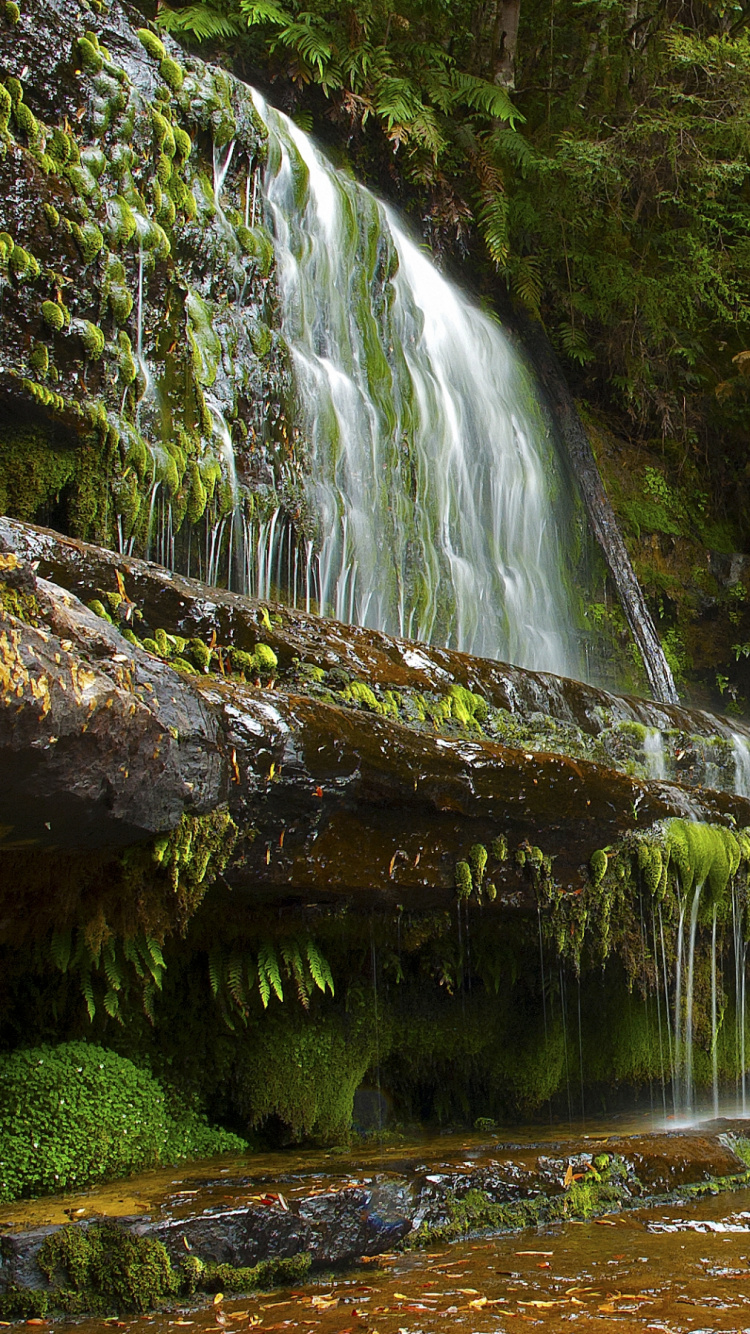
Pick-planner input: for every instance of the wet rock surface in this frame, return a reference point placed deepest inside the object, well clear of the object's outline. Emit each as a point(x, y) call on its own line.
point(104, 742)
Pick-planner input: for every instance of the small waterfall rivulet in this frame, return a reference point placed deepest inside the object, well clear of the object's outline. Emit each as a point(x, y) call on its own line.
point(432, 477)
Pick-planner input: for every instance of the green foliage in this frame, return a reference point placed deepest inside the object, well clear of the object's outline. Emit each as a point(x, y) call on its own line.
point(75, 1114)
point(241, 976)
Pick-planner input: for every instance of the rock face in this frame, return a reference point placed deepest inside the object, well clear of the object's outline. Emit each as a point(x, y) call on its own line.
point(348, 754)
point(138, 355)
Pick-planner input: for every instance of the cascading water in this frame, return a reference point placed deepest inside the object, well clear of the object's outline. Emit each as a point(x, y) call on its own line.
point(431, 473)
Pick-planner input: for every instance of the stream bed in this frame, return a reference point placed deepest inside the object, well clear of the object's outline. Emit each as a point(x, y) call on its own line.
point(669, 1260)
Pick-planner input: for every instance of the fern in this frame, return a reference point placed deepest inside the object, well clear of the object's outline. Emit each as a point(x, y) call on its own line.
point(60, 949)
point(112, 968)
point(297, 969)
point(319, 968)
point(88, 993)
point(201, 21)
point(235, 980)
point(493, 224)
point(264, 11)
point(268, 967)
point(216, 969)
point(112, 1005)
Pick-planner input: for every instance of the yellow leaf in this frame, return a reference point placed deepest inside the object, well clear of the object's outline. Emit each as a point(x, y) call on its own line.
point(478, 1302)
point(469, 1292)
point(568, 1177)
point(218, 1299)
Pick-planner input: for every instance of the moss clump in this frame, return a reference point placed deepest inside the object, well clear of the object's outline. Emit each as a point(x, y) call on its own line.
point(463, 880)
point(151, 44)
point(183, 144)
point(89, 240)
point(598, 866)
point(6, 106)
point(172, 74)
point(266, 1274)
point(75, 1114)
point(39, 360)
point(265, 659)
point(105, 1268)
point(88, 56)
point(11, 12)
point(93, 339)
point(478, 863)
point(499, 848)
point(52, 216)
point(53, 314)
point(23, 265)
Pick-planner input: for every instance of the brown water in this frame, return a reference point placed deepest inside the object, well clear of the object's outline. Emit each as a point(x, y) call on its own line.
point(667, 1270)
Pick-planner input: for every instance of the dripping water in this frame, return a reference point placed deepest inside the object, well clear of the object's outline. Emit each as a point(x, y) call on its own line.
point(689, 1001)
point(714, 1029)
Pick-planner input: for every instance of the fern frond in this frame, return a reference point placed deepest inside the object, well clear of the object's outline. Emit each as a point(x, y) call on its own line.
point(216, 969)
point(310, 44)
point(574, 343)
point(132, 956)
point(149, 995)
point(112, 968)
point(483, 96)
point(264, 11)
point(235, 979)
point(88, 993)
point(319, 967)
point(527, 283)
point(60, 948)
point(268, 966)
point(201, 21)
point(493, 225)
point(112, 1005)
point(296, 967)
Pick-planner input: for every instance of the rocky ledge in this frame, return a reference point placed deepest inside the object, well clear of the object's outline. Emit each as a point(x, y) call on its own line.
point(349, 762)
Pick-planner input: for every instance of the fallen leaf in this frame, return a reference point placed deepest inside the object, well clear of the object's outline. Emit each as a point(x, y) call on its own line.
point(533, 1252)
point(469, 1292)
point(323, 1303)
point(568, 1177)
point(218, 1298)
point(605, 1222)
point(478, 1303)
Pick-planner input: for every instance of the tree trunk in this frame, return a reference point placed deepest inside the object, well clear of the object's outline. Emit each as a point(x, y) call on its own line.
point(508, 14)
point(601, 515)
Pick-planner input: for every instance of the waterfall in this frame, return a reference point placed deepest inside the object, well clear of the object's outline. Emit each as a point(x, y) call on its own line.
point(432, 477)
point(653, 749)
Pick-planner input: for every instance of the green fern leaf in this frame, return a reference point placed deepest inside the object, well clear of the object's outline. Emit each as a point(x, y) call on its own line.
point(112, 968)
point(202, 21)
point(264, 11)
point(235, 979)
point(216, 969)
point(149, 995)
point(319, 968)
point(268, 964)
point(493, 224)
point(60, 949)
point(112, 1005)
point(297, 969)
point(132, 956)
point(88, 994)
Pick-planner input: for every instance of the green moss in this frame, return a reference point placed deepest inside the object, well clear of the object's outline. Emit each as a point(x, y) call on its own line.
point(266, 1274)
point(34, 470)
point(261, 339)
point(172, 74)
point(39, 360)
point(89, 240)
point(265, 659)
point(92, 338)
point(23, 265)
point(598, 866)
point(88, 56)
point(463, 880)
point(152, 44)
point(105, 1268)
point(478, 863)
point(23, 1303)
point(11, 11)
point(52, 216)
point(183, 144)
point(6, 106)
point(202, 654)
point(27, 122)
point(499, 848)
